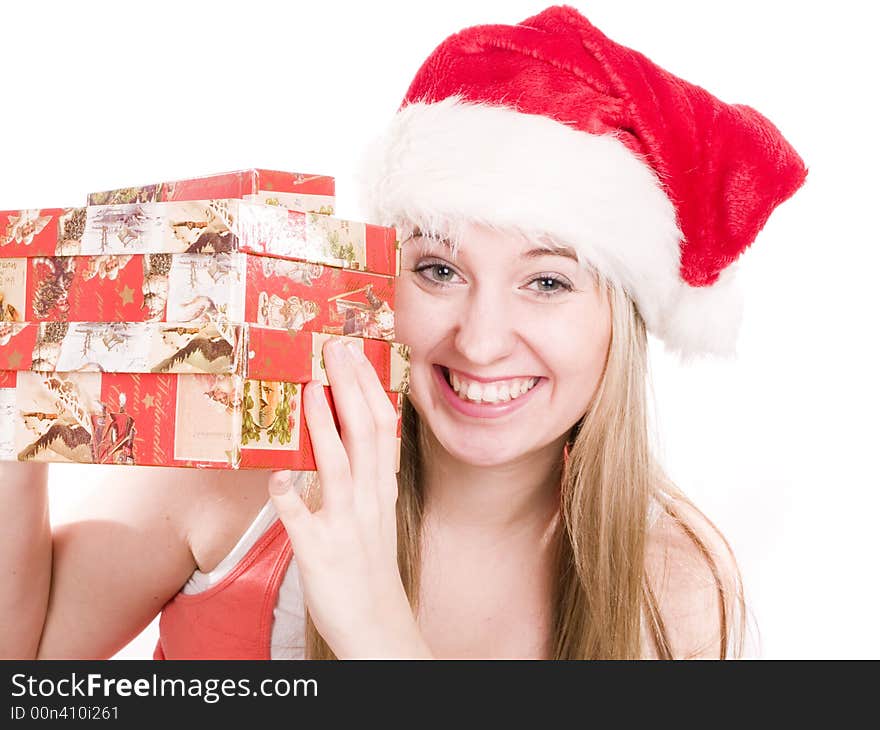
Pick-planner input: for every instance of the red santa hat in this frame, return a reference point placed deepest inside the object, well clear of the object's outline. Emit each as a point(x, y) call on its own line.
point(550, 128)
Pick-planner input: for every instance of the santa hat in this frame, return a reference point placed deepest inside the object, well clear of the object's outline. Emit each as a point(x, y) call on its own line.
point(550, 128)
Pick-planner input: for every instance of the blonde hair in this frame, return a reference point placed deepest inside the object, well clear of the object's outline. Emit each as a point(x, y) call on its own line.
point(605, 601)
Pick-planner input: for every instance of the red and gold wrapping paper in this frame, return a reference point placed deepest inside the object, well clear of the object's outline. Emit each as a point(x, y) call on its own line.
point(213, 347)
point(157, 419)
point(203, 226)
point(293, 190)
point(194, 288)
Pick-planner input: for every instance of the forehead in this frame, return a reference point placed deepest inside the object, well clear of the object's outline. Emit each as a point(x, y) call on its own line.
point(526, 246)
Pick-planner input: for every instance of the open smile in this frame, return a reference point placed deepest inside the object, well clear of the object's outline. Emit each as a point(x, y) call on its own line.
point(485, 400)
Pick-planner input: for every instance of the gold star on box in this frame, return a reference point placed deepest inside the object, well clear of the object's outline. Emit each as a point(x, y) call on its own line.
point(148, 401)
point(14, 360)
point(127, 295)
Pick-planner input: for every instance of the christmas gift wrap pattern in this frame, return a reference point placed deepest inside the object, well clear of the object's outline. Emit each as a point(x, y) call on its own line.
point(190, 420)
point(203, 226)
point(213, 347)
point(292, 190)
point(198, 287)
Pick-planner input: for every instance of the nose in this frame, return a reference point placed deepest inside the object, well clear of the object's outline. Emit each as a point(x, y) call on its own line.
point(485, 327)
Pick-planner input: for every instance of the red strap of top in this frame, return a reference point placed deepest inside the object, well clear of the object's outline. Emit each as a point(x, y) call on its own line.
point(233, 618)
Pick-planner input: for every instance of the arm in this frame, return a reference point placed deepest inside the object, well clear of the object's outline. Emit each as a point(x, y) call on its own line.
point(121, 554)
point(25, 557)
point(131, 544)
point(86, 588)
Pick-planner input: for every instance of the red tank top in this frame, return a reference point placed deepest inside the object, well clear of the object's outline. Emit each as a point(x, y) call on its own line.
point(233, 618)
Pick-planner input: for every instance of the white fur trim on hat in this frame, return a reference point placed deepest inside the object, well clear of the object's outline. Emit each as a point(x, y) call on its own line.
point(443, 163)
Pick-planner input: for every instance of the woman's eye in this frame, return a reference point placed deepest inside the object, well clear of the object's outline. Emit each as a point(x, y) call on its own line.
point(551, 285)
point(441, 273)
point(547, 283)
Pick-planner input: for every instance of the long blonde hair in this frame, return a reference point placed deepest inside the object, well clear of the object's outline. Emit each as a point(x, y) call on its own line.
point(603, 600)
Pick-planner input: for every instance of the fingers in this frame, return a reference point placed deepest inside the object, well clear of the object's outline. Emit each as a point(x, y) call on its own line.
point(356, 422)
point(364, 451)
point(291, 509)
point(384, 416)
point(331, 459)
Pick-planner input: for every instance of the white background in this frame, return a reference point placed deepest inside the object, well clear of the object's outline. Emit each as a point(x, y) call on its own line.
point(779, 447)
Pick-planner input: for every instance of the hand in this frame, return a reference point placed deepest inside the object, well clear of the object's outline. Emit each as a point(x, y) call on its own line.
point(347, 551)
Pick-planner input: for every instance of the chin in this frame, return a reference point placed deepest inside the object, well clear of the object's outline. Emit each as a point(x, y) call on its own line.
point(479, 450)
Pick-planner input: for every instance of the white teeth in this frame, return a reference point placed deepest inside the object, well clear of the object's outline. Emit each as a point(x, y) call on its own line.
point(491, 392)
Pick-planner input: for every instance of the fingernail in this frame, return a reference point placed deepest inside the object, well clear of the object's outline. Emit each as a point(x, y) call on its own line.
point(356, 352)
point(338, 349)
point(280, 483)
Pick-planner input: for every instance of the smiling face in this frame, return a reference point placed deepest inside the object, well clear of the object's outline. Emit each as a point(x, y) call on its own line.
point(508, 343)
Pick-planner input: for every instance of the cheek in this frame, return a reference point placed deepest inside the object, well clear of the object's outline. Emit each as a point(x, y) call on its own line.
point(579, 350)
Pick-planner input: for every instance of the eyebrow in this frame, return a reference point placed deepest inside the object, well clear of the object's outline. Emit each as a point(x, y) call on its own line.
point(531, 254)
point(537, 252)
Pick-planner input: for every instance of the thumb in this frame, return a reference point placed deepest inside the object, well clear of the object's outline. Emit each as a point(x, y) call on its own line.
point(290, 506)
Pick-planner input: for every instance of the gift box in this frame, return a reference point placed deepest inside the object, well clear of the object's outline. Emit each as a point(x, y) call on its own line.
point(182, 287)
point(202, 226)
point(219, 421)
point(293, 190)
point(179, 327)
point(246, 350)
point(215, 395)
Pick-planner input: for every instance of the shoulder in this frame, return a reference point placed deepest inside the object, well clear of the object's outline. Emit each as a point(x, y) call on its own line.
point(216, 508)
point(201, 508)
point(169, 499)
point(695, 580)
point(132, 539)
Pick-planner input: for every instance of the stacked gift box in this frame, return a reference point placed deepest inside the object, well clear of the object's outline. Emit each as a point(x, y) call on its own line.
point(293, 190)
point(178, 329)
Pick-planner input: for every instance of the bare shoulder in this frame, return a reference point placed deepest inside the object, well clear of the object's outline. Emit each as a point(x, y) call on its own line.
point(129, 544)
point(695, 580)
point(205, 510)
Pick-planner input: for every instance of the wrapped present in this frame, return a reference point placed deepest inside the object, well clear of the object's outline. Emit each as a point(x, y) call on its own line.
point(293, 190)
point(217, 421)
point(176, 324)
point(198, 287)
point(215, 347)
point(202, 226)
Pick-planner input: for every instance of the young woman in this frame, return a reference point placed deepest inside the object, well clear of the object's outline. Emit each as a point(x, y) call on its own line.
point(557, 196)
